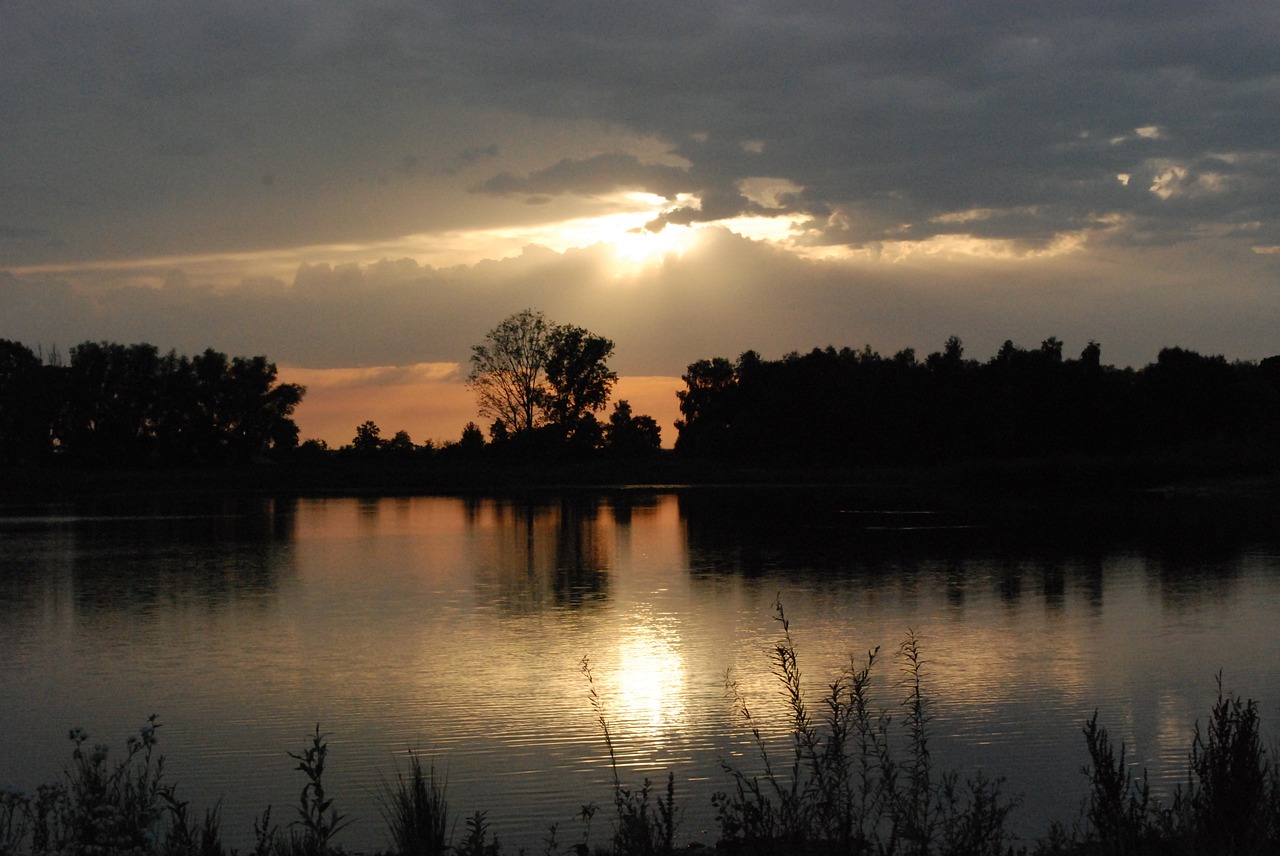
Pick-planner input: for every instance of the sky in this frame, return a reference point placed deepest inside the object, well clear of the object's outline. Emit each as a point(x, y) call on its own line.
point(360, 191)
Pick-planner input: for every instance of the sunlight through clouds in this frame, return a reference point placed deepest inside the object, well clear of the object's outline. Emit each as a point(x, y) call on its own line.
point(634, 246)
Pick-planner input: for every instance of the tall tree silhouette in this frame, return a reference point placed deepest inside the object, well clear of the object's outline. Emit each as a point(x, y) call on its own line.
point(578, 379)
point(508, 370)
point(533, 376)
point(28, 402)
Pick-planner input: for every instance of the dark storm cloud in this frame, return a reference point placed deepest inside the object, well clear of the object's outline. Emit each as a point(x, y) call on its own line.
point(893, 117)
point(896, 113)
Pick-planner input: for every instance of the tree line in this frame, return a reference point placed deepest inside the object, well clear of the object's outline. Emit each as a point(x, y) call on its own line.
point(543, 388)
point(129, 404)
point(856, 408)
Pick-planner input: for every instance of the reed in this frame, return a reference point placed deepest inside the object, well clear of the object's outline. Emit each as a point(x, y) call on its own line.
point(416, 811)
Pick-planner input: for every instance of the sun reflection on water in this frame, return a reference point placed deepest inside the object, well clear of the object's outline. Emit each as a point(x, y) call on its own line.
point(650, 678)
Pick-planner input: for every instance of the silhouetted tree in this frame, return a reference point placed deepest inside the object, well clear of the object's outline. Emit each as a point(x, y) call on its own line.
point(27, 404)
point(472, 439)
point(706, 406)
point(533, 377)
point(129, 404)
point(578, 378)
point(1189, 397)
point(950, 357)
point(629, 435)
point(507, 370)
point(256, 410)
point(368, 439)
point(114, 402)
point(854, 407)
point(1091, 356)
point(402, 444)
point(30, 399)
point(586, 436)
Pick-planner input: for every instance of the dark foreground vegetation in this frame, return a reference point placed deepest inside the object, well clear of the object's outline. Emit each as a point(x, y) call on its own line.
point(851, 777)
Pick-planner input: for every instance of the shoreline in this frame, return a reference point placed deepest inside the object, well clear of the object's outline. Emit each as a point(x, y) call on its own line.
point(1052, 479)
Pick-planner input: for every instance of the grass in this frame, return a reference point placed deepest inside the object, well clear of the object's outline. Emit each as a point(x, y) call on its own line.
point(415, 810)
point(851, 778)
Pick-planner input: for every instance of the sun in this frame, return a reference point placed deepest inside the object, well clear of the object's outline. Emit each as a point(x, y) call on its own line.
point(641, 247)
point(621, 235)
point(635, 245)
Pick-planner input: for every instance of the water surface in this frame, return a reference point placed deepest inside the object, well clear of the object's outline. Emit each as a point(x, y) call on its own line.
point(458, 627)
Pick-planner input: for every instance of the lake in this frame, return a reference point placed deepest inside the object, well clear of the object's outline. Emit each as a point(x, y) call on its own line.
point(457, 627)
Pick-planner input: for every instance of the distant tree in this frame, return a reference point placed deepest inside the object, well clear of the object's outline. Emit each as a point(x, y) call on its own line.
point(123, 404)
point(255, 413)
point(214, 409)
point(950, 358)
point(586, 436)
point(531, 376)
point(631, 435)
point(400, 444)
point(1091, 356)
point(1189, 397)
point(368, 438)
point(507, 370)
point(706, 407)
point(312, 449)
point(27, 403)
point(114, 402)
point(1051, 348)
point(472, 438)
point(578, 379)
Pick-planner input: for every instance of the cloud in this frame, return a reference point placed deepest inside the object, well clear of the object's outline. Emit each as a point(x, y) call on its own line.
point(888, 121)
point(723, 295)
point(21, 232)
point(377, 376)
point(890, 118)
point(476, 154)
point(601, 174)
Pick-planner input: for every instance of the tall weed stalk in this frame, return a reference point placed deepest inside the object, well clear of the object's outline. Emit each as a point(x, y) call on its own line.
point(644, 823)
point(845, 788)
point(1120, 811)
point(1228, 806)
point(318, 821)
